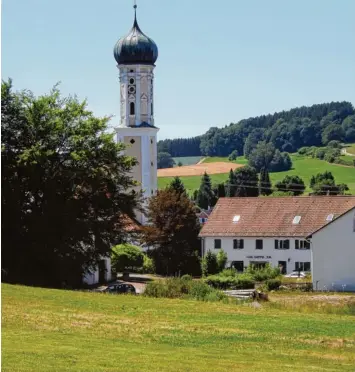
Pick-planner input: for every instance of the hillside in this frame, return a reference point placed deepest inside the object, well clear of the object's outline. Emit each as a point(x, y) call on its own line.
point(303, 166)
point(51, 330)
point(287, 130)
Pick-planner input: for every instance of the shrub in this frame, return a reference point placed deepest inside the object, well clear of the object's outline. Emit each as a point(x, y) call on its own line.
point(148, 265)
point(209, 264)
point(233, 155)
point(261, 274)
point(228, 282)
point(303, 151)
point(221, 260)
point(126, 256)
point(186, 277)
point(320, 153)
point(273, 284)
point(228, 272)
point(182, 288)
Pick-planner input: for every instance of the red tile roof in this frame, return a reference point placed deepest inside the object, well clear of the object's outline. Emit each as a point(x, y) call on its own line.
point(273, 216)
point(130, 224)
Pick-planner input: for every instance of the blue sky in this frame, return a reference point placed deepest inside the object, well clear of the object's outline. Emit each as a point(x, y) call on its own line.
point(219, 61)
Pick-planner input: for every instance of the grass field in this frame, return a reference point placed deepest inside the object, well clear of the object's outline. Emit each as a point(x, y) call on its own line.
point(187, 160)
point(302, 166)
point(51, 330)
point(351, 148)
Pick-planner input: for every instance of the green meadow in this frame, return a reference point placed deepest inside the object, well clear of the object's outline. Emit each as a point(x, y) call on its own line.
point(52, 330)
point(302, 166)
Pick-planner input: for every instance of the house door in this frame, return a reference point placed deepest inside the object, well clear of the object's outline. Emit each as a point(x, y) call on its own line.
point(102, 271)
point(283, 267)
point(238, 265)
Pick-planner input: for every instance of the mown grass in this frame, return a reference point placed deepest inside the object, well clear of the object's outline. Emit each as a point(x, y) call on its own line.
point(51, 330)
point(302, 166)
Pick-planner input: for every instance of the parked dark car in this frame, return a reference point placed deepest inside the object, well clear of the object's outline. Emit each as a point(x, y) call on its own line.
point(120, 288)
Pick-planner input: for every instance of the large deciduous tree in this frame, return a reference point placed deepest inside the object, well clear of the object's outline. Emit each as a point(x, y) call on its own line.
point(292, 184)
point(64, 188)
point(245, 183)
point(172, 233)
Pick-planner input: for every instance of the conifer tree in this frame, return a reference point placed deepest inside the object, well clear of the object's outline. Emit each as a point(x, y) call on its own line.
point(206, 197)
point(177, 185)
point(231, 185)
point(265, 183)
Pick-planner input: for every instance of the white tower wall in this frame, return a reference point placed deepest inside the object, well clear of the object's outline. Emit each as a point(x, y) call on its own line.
point(136, 129)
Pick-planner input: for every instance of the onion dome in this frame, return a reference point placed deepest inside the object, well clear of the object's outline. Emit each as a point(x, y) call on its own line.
point(136, 47)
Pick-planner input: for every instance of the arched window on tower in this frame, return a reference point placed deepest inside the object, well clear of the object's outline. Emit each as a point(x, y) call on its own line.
point(131, 108)
point(151, 109)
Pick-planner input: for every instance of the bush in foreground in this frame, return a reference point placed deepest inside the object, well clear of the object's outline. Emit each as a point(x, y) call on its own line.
point(183, 288)
point(273, 284)
point(241, 281)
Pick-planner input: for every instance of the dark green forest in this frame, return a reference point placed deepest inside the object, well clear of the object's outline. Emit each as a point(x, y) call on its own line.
point(288, 131)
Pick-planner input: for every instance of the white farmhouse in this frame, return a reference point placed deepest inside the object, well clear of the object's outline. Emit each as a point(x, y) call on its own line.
point(333, 254)
point(278, 230)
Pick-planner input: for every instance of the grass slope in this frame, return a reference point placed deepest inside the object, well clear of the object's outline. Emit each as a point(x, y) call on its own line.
point(51, 330)
point(302, 166)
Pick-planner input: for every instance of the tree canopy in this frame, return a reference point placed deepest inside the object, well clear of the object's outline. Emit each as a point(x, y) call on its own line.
point(164, 160)
point(126, 257)
point(288, 131)
point(173, 233)
point(64, 188)
point(292, 184)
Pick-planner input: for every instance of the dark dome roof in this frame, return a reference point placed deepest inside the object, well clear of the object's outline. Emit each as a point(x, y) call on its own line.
point(135, 48)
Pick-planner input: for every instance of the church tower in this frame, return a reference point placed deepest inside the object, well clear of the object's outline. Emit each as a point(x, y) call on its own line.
point(136, 55)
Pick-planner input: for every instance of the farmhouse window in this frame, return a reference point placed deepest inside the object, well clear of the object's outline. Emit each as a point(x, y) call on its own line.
point(258, 244)
point(302, 266)
point(217, 244)
point(282, 244)
point(302, 244)
point(238, 243)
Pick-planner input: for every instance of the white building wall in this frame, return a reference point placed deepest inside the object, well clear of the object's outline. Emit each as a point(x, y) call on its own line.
point(92, 277)
point(249, 254)
point(333, 255)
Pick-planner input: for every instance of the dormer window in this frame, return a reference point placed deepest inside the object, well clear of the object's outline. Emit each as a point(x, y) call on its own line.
point(296, 220)
point(236, 218)
point(330, 217)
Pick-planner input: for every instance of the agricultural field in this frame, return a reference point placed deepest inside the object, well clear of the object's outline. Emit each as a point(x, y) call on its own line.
point(302, 166)
point(350, 148)
point(198, 169)
point(187, 160)
point(53, 330)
